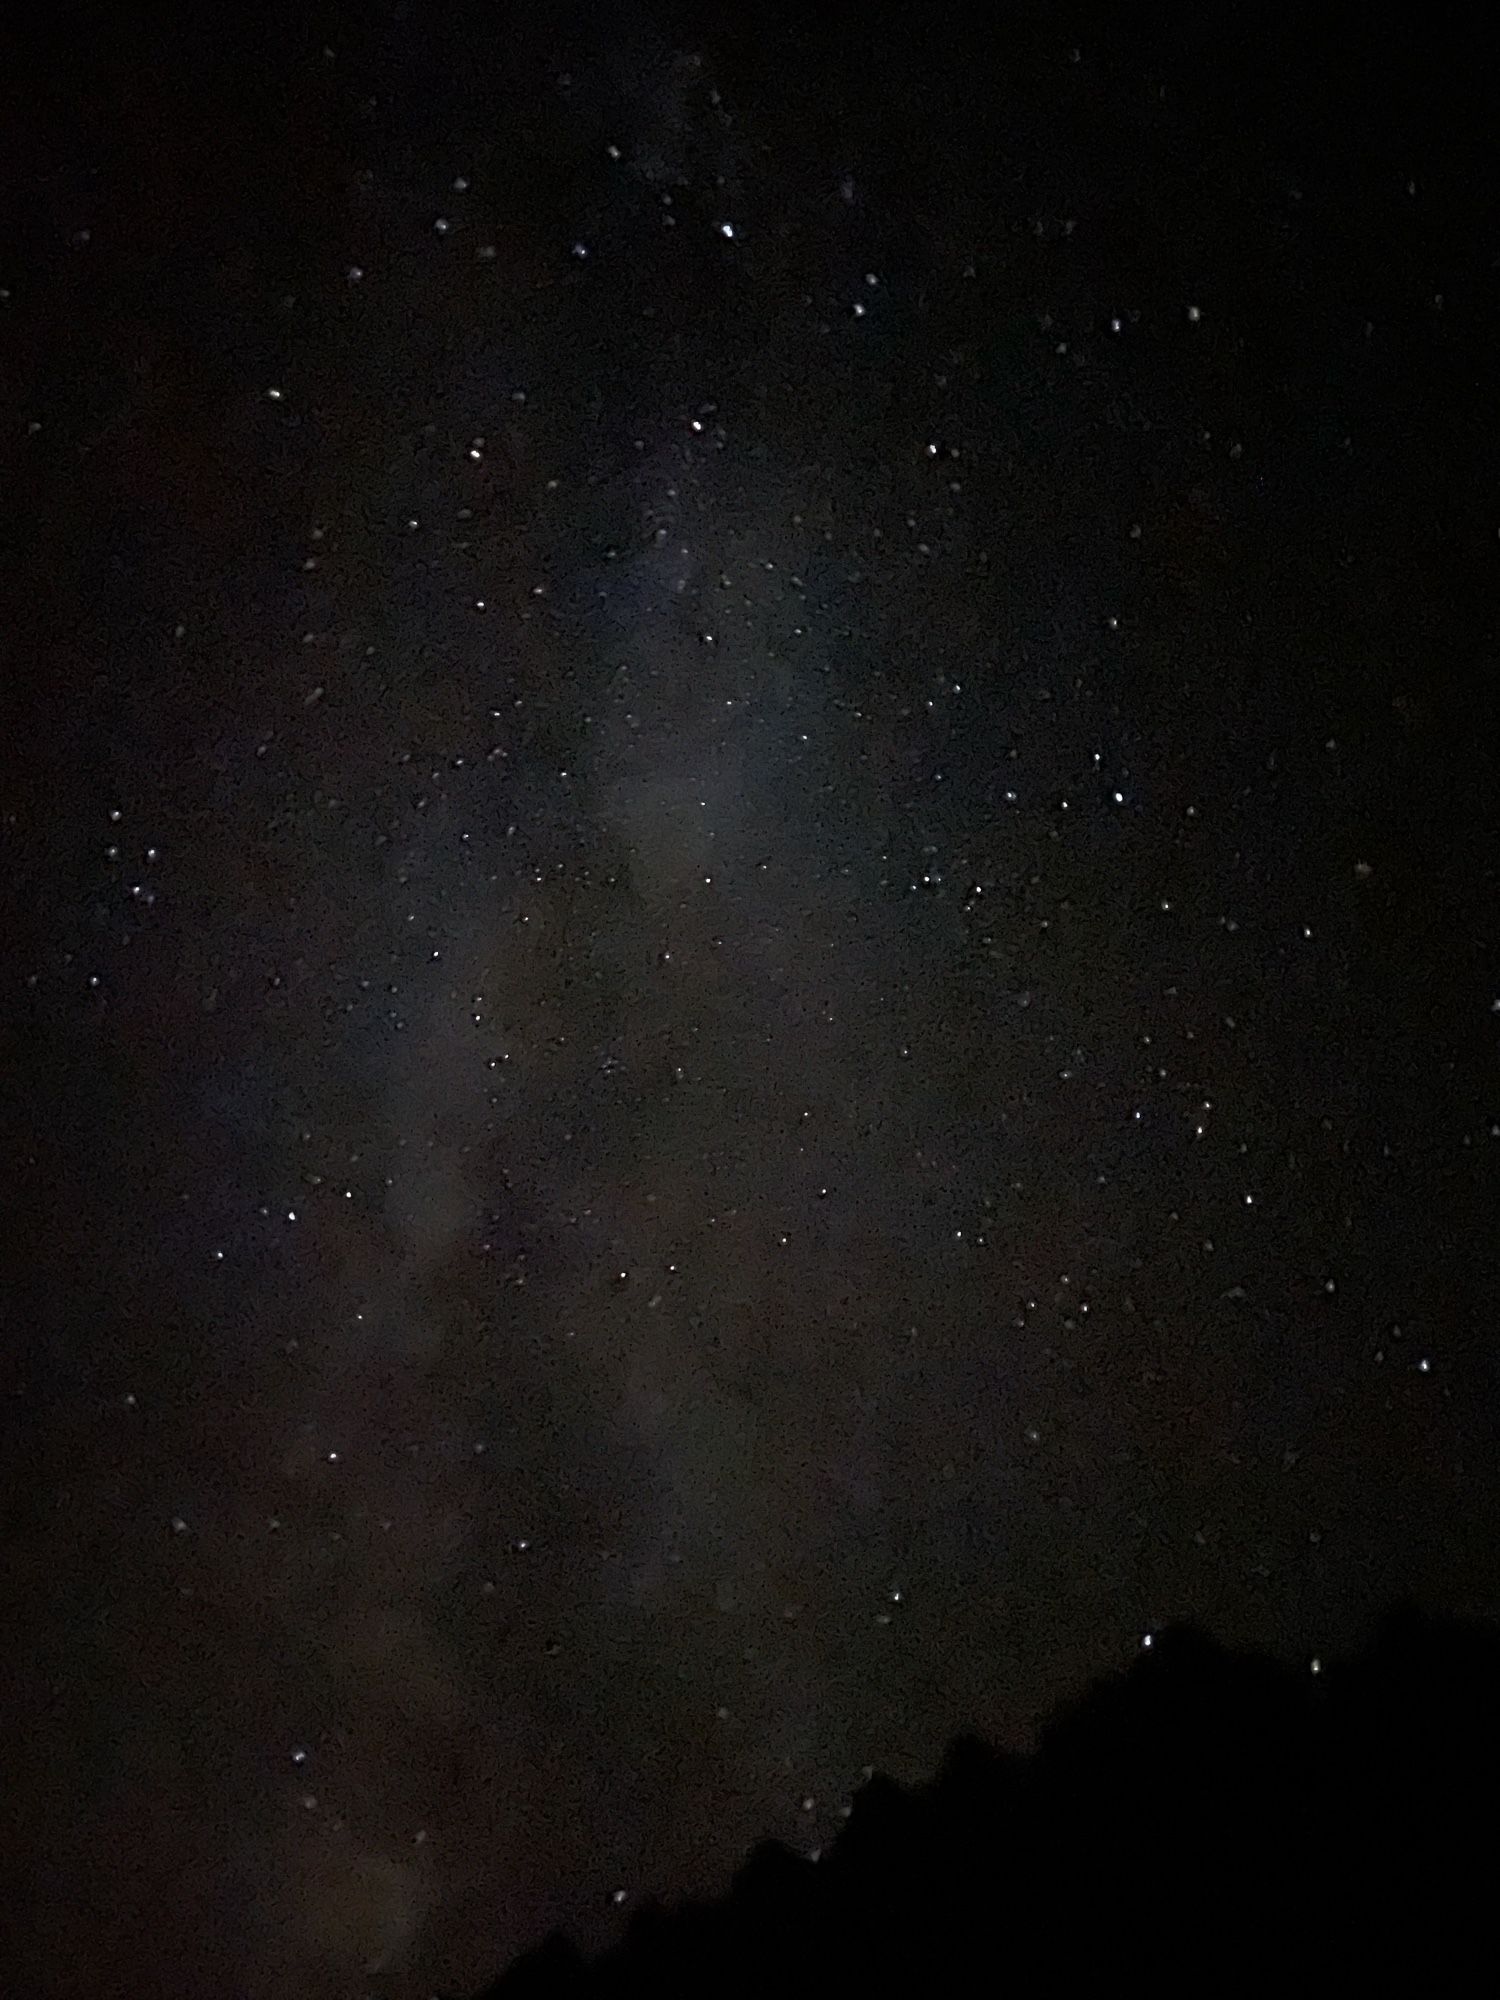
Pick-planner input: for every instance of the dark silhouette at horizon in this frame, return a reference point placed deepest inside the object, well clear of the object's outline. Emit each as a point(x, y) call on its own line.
point(1205, 1815)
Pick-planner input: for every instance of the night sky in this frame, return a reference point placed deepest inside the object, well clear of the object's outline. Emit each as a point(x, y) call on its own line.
point(751, 907)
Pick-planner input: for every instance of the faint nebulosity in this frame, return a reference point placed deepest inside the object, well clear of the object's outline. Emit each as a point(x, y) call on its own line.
point(750, 838)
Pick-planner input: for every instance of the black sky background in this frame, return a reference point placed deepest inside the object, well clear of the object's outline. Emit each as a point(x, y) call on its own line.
point(752, 986)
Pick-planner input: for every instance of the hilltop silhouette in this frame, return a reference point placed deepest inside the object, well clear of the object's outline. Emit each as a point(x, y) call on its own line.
point(1206, 1816)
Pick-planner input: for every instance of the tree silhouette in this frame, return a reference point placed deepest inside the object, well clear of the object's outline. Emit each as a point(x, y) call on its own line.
point(1206, 1817)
